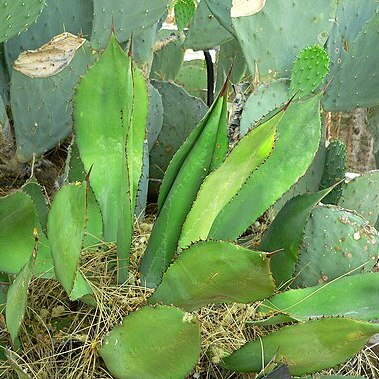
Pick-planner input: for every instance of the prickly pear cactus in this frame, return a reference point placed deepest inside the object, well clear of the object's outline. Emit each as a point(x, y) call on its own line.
point(265, 99)
point(309, 70)
point(334, 171)
point(168, 55)
point(361, 194)
point(41, 90)
point(17, 15)
point(354, 70)
point(272, 38)
point(336, 242)
point(184, 12)
point(155, 117)
point(193, 78)
point(124, 17)
point(205, 31)
point(57, 17)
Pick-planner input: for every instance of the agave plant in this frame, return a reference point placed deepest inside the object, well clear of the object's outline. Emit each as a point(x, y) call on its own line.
point(208, 198)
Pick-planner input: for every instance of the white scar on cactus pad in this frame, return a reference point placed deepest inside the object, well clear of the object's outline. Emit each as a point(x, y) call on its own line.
point(241, 8)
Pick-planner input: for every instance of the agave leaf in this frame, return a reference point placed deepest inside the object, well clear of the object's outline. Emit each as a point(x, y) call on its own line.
point(332, 341)
point(298, 139)
point(94, 225)
point(286, 233)
point(137, 132)
point(203, 151)
point(160, 343)
point(18, 219)
point(17, 296)
point(102, 114)
point(65, 226)
point(34, 190)
point(352, 296)
point(224, 183)
point(221, 272)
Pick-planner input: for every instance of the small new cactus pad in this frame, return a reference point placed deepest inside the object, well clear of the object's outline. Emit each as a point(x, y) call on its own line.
point(336, 241)
point(334, 171)
point(205, 31)
point(17, 16)
point(184, 12)
point(265, 99)
point(361, 194)
point(154, 342)
point(309, 71)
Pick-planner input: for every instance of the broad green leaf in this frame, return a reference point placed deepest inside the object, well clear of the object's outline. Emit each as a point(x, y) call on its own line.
point(17, 16)
point(286, 232)
point(17, 296)
point(224, 183)
point(203, 151)
point(18, 219)
point(153, 342)
point(35, 191)
point(65, 226)
point(305, 348)
point(298, 139)
point(221, 272)
point(102, 114)
point(137, 132)
point(352, 296)
point(93, 233)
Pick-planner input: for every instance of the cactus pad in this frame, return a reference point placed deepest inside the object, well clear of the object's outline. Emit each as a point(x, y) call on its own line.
point(184, 12)
point(336, 241)
point(205, 31)
point(361, 194)
point(334, 171)
point(17, 15)
point(309, 70)
point(124, 17)
point(153, 342)
point(266, 98)
point(42, 86)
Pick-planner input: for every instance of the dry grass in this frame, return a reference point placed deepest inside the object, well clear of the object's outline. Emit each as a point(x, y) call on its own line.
point(60, 338)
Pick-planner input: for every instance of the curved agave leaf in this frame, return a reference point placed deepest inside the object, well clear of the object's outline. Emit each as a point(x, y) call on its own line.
point(17, 297)
point(332, 341)
point(202, 152)
point(18, 219)
point(221, 272)
point(352, 296)
point(224, 183)
point(286, 233)
point(66, 223)
point(160, 343)
point(298, 139)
